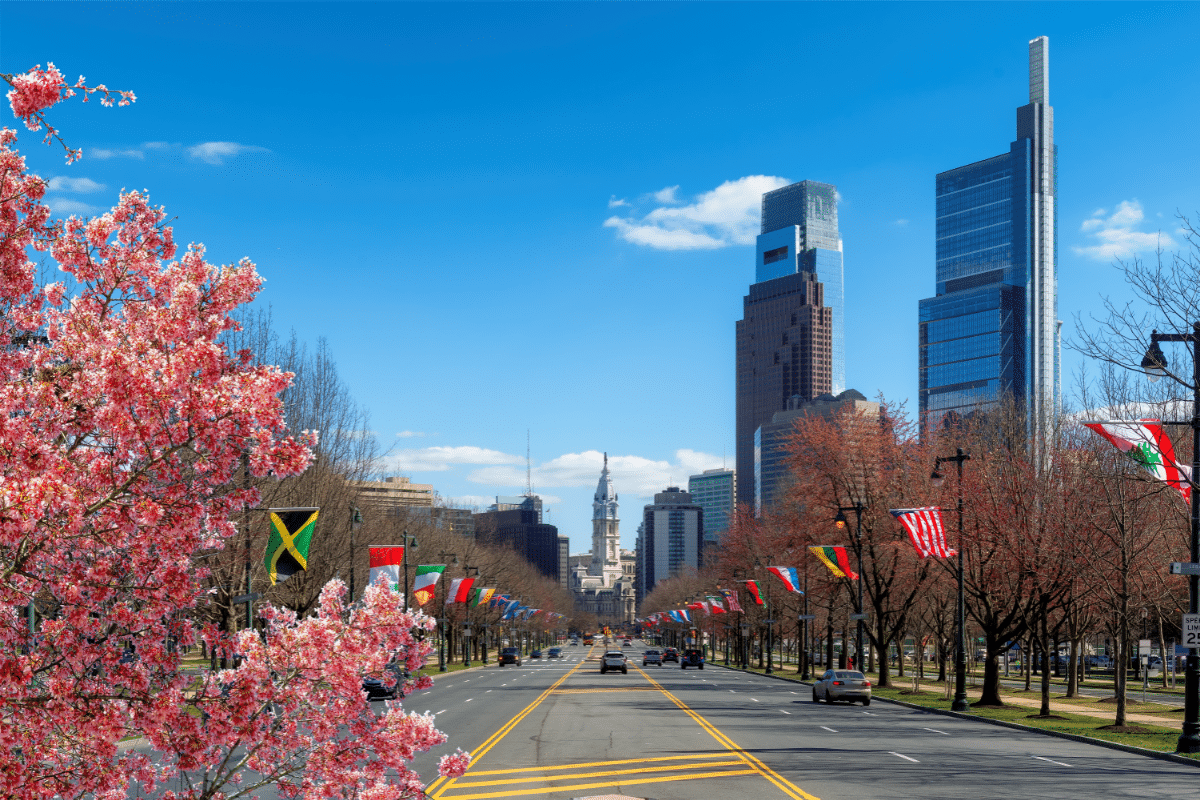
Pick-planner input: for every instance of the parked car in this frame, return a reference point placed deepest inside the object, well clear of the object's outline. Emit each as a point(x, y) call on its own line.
point(614, 660)
point(652, 657)
point(376, 688)
point(692, 657)
point(842, 684)
point(671, 654)
point(555, 652)
point(509, 655)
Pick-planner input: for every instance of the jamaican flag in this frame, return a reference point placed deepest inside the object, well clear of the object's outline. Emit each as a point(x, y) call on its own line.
point(291, 534)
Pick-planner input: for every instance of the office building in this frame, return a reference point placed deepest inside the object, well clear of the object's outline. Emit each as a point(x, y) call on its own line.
point(670, 539)
point(992, 330)
point(715, 491)
point(520, 530)
point(791, 338)
point(771, 467)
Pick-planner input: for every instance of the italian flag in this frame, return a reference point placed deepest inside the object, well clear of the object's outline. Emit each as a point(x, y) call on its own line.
point(386, 562)
point(837, 559)
point(425, 581)
point(1145, 442)
point(460, 590)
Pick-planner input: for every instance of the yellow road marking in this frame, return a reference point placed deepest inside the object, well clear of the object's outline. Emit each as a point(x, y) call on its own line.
point(578, 786)
point(596, 691)
point(784, 785)
point(576, 776)
point(691, 757)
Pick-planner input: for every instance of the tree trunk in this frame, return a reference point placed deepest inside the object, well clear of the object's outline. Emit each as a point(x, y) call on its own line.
point(1047, 658)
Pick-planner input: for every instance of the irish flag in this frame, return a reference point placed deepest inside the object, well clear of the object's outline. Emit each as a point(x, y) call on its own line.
point(460, 590)
point(836, 559)
point(1145, 442)
point(426, 580)
point(386, 562)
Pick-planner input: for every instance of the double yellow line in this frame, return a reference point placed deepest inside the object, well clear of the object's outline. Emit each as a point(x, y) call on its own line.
point(437, 787)
point(782, 783)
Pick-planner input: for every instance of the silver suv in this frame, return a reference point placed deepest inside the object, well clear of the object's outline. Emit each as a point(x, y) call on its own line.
point(614, 660)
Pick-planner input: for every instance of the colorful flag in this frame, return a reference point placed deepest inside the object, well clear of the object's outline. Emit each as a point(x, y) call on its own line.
point(924, 526)
point(482, 595)
point(425, 581)
point(752, 588)
point(732, 599)
point(790, 578)
point(530, 613)
point(1146, 443)
point(715, 603)
point(511, 609)
point(287, 548)
point(699, 605)
point(460, 590)
point(836, 559)
point(386, 562)
point(499, 600)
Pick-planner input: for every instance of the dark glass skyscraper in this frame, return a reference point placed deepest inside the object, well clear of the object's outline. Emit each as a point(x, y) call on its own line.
point(790, 338)
point(993, 329)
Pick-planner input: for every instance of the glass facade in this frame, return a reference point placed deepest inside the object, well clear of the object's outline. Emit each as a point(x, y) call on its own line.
point(714, 491)
point(991, 330)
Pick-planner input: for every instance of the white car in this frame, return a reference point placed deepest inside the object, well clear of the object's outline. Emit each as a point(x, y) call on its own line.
point(614, 660)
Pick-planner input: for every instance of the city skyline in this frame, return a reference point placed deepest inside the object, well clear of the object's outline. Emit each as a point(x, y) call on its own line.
point(553, 186)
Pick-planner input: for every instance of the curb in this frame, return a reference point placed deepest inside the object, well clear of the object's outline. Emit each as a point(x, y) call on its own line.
point(1128, 748)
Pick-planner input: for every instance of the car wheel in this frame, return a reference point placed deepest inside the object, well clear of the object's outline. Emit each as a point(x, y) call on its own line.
point(625, 671)
point(683, 666)
point(602, 670)
point(815, 698)
point(701, 666)
point(867, 701)
point(828, 699)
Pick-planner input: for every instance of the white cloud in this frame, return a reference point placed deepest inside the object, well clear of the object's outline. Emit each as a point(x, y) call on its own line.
point(62, 207)
point(215, 152)
point(613, 202)
point(105, 153)
point(1116, 236)
point(157, 145)
point(82, 185)
point(632, 475)
point(901, 223)
point(727, 215)
point(667, 195)
point(409, 434)
point(440, 459)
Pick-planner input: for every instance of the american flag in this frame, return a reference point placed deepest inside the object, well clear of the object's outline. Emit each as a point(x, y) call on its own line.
point(924, 526)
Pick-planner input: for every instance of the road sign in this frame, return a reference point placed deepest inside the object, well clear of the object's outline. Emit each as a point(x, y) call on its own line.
point(854, 617)
point(807, 616)
point(1184, 568)
point(247, 598)
point(1191, 630)
point(1143, 647)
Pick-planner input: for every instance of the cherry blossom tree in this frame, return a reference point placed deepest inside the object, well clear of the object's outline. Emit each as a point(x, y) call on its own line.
point(123, 423)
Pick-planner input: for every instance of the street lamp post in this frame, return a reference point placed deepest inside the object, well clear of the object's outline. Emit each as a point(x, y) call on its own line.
point(960, 656)
point(1155, 365)
point(356, 521)
point(441, 616)
point(405, 539)
point(840, 521)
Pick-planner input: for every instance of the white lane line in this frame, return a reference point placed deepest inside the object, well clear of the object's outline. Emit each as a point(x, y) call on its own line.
point(487, 691)
point(906, 758)
point(443, 711)
point(1052, 761)
point(733, 690)
point(791, 692)
point(935, 730)
point(831, 730)
point(785, 712)
point(469, 699)
point(755, 699)
point(870, 713)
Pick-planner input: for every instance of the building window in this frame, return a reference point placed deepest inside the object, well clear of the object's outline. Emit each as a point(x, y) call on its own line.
point(778, 254)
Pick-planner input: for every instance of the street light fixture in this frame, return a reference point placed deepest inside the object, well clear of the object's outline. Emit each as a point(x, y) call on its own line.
point(442, 617)
point(840, 520)
point(1155, 365)
point(960, 656)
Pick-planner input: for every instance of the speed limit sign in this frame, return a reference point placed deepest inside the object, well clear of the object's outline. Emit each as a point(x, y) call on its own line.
point(1191, 630)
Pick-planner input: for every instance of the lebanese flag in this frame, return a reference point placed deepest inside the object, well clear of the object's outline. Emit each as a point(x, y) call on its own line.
point(790, 578)
point(425, 582)
point(715, 602)
point(752, 588)
point(836, 559)
point(460, 590)
point(1145, 442)
point(386, 562)
point(924, 526)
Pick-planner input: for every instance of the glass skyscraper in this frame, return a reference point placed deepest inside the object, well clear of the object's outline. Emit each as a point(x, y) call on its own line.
point(992, 330)
point(790, 340)
point(714, 491)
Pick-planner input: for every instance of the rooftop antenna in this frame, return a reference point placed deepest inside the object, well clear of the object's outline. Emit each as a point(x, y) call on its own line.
point(528, 470)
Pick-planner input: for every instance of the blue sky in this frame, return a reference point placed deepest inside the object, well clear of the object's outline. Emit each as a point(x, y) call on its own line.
point(461, 197)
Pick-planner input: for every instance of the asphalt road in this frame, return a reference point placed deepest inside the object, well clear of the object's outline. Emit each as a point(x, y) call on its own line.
point(560, 729)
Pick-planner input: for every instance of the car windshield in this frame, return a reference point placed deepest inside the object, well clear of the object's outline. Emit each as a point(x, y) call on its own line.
point(651, 652)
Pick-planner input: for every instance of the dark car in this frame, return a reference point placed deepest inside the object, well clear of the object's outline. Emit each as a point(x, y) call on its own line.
point(692, 657)
point(376, 688)
point(555, 652)
point(652, 657)
point(671, 654)
point(509, 655)
point(536, 654)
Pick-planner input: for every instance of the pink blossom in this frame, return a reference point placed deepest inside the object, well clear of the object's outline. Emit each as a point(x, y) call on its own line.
point(454, 765)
